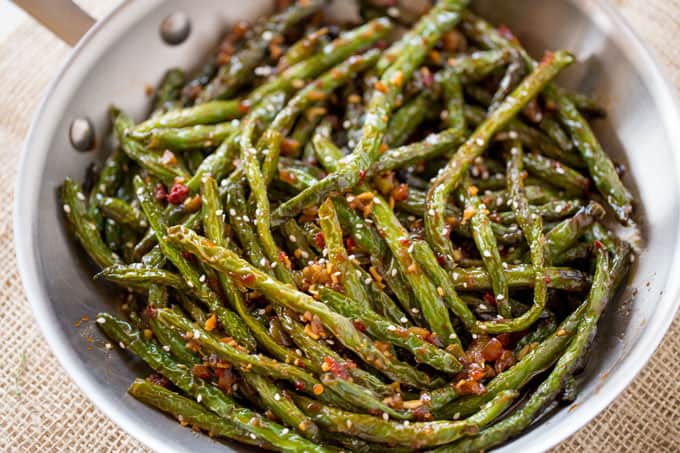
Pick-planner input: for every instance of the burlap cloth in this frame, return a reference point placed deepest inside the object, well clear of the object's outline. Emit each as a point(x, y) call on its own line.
point(41, 410)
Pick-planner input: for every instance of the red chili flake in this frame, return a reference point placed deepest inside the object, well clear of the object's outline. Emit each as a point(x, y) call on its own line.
point(505, 339)
point(427, 77)
point(362, 175)
point(548, 57)
point(470, 387)
point(282, 256)
point(159, 380)
point(248, 279)
point(201, 371)
point(492, 350)
point(336, 368)
point(359, 325)
point(598, 245)
point(299, 386)
point(319, 240)
point(441, 259)
point(225, 379)
point(488, 297)
point(150, 312)
point(547, 280)
point(178, 193)
point(506, 32)
point(422, 413)
point(243, 107)
point(188, 256)
point(350, 244)
point(405, 242)
point(160, 192)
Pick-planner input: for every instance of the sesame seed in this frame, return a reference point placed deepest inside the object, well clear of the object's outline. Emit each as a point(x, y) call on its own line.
point(219, 212)
point(166, 348)
point(291, 238)
point(67, 209)
point(232, 212)
point(101, 320)
point(199, 398)
point(385, 416)
point(277, 397)
point(403, 319)
point(122, 345)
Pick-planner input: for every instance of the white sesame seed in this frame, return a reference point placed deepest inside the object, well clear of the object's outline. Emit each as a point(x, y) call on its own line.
point(391, 328)
point(385, 416)
point(67, 209)
point(122, 345)
point(415, 310)
point(101, 320)
point(166, 348)
point(277, 397)
point(284, 431)
point(199, 398)
point(219, 212)
point(232, 212)
point(80, 196)
point(201, 278)
point(292, 238)
point(403, 319)
point(108, 346)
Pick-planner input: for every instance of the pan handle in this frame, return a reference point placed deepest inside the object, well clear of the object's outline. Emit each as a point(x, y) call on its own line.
point(62, 17)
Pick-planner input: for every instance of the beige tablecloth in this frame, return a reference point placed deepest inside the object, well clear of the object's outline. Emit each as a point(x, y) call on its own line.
point(41, 410)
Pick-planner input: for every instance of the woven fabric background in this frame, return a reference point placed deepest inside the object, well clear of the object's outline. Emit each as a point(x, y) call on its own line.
point(41, 410)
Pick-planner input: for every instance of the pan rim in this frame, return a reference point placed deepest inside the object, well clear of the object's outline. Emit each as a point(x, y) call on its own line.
point(26, 207)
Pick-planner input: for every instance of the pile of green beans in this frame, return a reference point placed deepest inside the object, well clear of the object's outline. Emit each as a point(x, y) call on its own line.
point(344, 238)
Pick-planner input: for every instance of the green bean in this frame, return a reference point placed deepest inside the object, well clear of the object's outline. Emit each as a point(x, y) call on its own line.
point(414, 435)
point(395, 235)
point(567, 232)
point(213, 398)
point(189, 412)
point(360, 397)
point(297, 242)
point(407, 119)
point(122, 213)
point(283, 406)
point(484, 238)
point(347, 44)
point(536, 361)
point(600, 166)
point(169, 91)
point(521, 276)
point(381, 329)
point(187, 138)
point(557, 174)
point(378, 113)
point(204, 114)
point(426, 258)
point(554, 130)
point(83, 225)
point(337, 255)
point(302, 49)
point(239, 69)
point(231, 322)
point(213, 225)
point(440, 14)
point(153, 162)
point(342, 328)
point(606, 280)
point(435, 225)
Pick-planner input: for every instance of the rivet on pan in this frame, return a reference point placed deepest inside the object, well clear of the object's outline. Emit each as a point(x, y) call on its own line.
point(175, 28)
point(81, 134)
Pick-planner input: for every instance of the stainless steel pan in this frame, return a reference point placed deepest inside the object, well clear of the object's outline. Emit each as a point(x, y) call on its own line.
point(123, 52)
